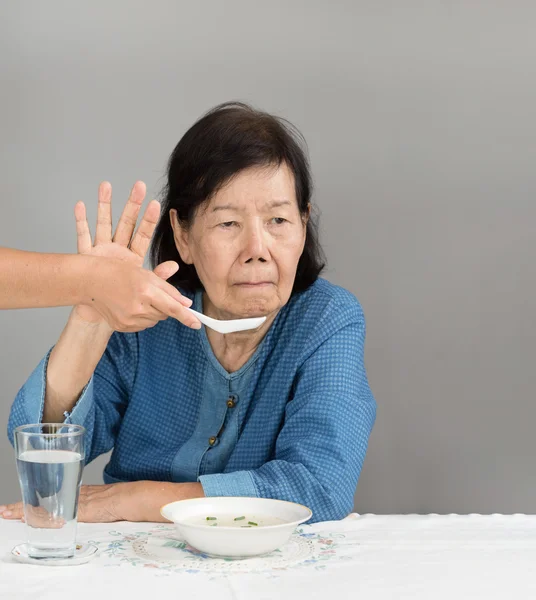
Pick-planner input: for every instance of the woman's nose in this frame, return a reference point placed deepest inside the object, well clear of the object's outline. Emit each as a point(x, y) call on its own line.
point(255, 245)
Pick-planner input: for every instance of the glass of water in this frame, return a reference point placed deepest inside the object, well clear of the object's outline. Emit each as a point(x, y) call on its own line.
point(50, 461)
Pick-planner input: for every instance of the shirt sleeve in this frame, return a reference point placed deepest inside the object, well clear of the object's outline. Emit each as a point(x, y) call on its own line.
point(321, 447)
point(101, 404)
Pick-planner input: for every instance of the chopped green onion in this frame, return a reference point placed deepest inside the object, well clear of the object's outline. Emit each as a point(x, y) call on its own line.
point(212, 518)
point(214, 525)
point(240, 518)
point(252, 523)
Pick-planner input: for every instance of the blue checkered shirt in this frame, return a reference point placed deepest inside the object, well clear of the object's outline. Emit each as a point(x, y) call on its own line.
point(293, 423)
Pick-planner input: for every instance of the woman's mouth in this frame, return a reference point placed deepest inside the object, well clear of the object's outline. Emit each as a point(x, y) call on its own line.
point(254, 284)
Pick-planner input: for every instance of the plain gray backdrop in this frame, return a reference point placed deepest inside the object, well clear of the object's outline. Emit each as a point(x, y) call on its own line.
point(420, 120)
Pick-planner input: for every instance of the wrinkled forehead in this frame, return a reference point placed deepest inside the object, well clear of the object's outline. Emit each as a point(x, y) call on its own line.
point(256, 189)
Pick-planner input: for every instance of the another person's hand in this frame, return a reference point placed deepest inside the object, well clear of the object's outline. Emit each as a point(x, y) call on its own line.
point(120, 291)
point(130, 501)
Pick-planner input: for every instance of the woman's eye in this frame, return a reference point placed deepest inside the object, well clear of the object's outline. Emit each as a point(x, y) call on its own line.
point(278, 220)
point(227, 224)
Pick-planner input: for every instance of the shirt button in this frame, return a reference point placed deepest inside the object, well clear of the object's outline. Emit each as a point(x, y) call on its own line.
point(231, 403)
point(212, 441)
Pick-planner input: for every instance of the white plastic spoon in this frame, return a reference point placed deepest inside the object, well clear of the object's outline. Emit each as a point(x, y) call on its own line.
point(229, 326)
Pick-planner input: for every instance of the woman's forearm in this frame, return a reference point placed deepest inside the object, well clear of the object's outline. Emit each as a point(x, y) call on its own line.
point(72, 363)
point(36, 280)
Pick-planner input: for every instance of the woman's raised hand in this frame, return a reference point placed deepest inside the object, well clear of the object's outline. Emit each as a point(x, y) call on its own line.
point(119, 290)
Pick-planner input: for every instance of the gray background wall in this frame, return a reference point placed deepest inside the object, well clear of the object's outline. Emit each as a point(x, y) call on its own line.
point(420, 122)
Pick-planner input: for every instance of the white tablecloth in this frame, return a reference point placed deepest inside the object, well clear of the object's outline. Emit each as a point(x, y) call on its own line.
point(363, 557)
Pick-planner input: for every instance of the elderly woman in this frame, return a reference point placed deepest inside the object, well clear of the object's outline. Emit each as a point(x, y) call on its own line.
point(283, 411)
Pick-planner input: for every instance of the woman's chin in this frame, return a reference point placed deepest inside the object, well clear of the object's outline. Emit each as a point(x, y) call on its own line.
point(257, 310)
point(254, 303)
point(254, 307)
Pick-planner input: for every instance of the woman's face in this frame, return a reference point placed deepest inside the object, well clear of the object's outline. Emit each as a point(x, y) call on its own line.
point(245, 243)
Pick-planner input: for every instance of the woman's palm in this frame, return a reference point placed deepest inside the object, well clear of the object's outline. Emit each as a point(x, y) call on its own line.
point(124, 244)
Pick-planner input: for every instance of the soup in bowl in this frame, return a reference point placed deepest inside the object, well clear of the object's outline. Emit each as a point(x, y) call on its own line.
point(235, 527)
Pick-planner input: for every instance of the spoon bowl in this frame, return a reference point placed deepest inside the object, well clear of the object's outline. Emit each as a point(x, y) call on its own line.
point(230, 326)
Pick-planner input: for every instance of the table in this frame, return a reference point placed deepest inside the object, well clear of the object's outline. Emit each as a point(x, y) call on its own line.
point(364, 556)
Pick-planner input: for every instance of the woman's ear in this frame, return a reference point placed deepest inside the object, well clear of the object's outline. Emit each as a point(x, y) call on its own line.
point(307, 215)
point(305, 219)
point(180, 236)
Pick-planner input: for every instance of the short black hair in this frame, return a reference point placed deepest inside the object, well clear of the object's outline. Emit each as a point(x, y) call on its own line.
point(228, 139)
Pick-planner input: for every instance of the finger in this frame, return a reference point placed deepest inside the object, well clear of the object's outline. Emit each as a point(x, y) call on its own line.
point(146, 322)
point(149, 314)
point(127, 222)
point(165, 304)
point(83, 235)
point(153, 314)
point(103, 233)
point(142, 323)
point(142, 238)
point(164, 271)
point(13, 511)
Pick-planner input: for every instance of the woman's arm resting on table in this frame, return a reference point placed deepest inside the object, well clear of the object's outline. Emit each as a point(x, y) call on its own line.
point(318, 454)
point(133, 501)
